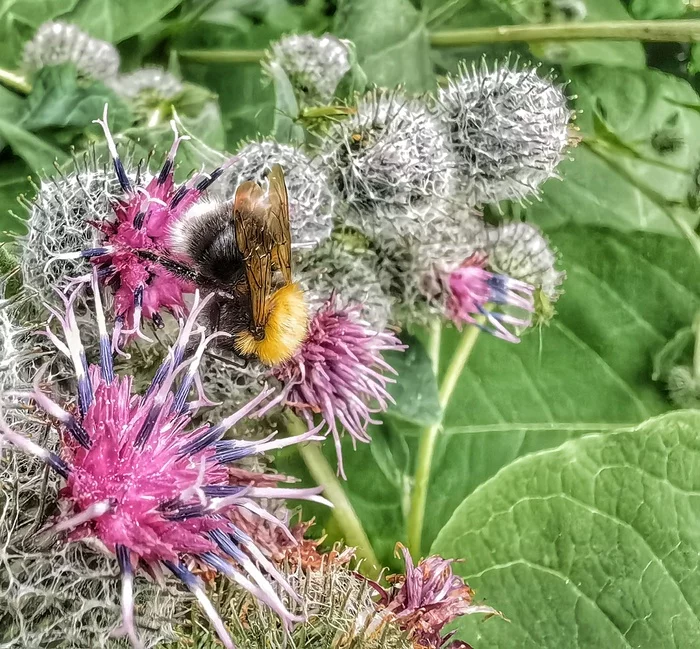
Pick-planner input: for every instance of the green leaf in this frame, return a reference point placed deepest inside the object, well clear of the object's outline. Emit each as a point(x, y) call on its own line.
point(465, 14)
point(639, 156)
point(286, 127)
point(116, 20)
point(354, 80)
point(39, 154)
point(416, 392)
point(655, 9)
point(14, 180)
point(392, 43)
point(593, 544)
point(59, 100)
point(247, 106)
point(625, 296)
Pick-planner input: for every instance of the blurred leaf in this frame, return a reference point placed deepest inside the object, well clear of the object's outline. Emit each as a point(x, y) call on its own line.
point(192, 100)
point(391, 40)
point(286, 127)
point(590, 370)
point(354, 80)
point(116, 20)
point(11, 108)
point(593, 544)
point(416, 393)
point(58, 100)
point(639, 155)
point(655, 9)
point(39, 154)
point(247, 106)
point(14, 180)
point(465, 14)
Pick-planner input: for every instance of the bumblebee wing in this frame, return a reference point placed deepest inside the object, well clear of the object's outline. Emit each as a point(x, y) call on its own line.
point(278, 222)
point(255, 241)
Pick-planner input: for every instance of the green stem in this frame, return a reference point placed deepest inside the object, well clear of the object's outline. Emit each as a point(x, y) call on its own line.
point(323, 474)
point(435, 336)
point(222, 56)
point(428, 440)
point(696, 352)
point(14, 82)
point(683, 31)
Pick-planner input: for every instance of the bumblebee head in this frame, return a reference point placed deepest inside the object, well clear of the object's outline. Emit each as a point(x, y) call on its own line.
point(285, 329)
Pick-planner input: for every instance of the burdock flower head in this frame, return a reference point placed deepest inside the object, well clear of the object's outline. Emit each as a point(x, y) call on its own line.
point(143, 486)
point(509, 129)
point(340, 373)
point(56, 43)
point(314, 64)
point(153, 82)
point(392, 165)
point(426, 599)
point(127, 255)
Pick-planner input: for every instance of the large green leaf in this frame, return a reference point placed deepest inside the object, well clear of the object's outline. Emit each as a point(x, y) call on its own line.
point(591, 369)
point(39, 154)
point(593, 544)
point(464, 14)
point(59, 100)
point(639, 156)
point(116, 20)
point(391, 38)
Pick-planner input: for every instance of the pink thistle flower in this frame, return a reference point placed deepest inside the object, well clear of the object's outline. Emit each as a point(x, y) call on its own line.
point(338, 372)
point(144, 485)
point(471, 288)
point(427, 598)
point(138, 235)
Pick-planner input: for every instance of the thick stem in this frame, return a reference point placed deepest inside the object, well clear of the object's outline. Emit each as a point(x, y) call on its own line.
point(343, 512)
point(222, 56)
point(684, 31)
point(14, 82)
point(428, 440)
point(434, 339)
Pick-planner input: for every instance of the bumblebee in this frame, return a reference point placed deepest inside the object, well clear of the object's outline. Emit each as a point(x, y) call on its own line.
point(241, 251)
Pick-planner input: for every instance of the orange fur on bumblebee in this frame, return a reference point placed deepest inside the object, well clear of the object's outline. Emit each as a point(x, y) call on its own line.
point(241, 251)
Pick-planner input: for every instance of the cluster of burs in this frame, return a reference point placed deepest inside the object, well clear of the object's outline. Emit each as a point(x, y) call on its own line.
point(384, 200)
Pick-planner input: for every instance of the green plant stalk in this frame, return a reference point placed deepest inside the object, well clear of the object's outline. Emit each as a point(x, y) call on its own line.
point(428, 440)
point(15, 82)
point(434, 340)
point(222, 56)
point(661, 31)
point(696, 350)
point(323, 474)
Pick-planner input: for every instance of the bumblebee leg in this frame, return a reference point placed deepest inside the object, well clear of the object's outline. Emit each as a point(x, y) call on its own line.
point(175, 267)
point(237, 361)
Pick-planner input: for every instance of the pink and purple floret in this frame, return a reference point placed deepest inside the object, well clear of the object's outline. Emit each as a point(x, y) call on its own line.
point(427, 599)
point(339, 372)
point(143, 217)
point(145, 484)
point(471, 289)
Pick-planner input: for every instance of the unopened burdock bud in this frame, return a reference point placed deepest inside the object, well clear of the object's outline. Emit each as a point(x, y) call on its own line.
point(392, 166)
point(347, 266)
point(521, 251)
point(314, 64)
point(509, 129)
point(152, 83)
point(56, 43)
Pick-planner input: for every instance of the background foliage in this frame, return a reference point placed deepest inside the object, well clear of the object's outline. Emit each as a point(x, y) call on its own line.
point(577, 522)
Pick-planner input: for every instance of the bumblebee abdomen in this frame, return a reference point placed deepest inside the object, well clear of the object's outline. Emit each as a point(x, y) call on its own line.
point(285, 329)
